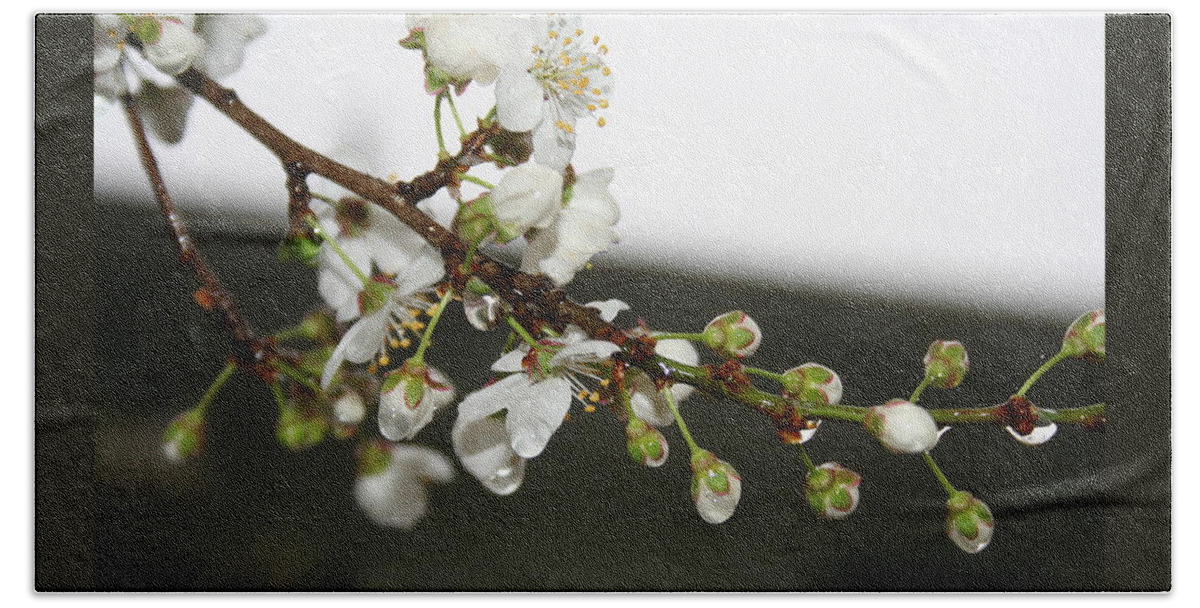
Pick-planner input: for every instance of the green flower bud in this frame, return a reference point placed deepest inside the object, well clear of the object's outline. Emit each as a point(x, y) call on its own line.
point(946, 363)
point(184, 436)
point(812, 383)
point(716, 487)
point(297, 431)
point(1085, 337)
point(301, 249)
point(476, 221)
point(646, 444)
point(969, 522)
point(832, 491)
point(733, 335)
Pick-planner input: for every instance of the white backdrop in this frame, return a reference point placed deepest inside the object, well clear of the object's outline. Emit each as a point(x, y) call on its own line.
point(954, 157)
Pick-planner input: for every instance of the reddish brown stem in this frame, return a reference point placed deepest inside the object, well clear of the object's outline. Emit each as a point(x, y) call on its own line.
point(249, 351)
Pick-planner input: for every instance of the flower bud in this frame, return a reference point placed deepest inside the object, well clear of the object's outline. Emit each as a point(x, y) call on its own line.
point(184, 436)
point(298, 431)
point(646, 444)
point(299, 249)
point(408, 399)
point(812, 383)
point(349, 409)
point(946, 363)
point(832, 490)
point(174, 46)
point(969, 522)
point(716, 487)
point(475, 220)
point(733, 334)
point(1085, 337)
point(902, 427)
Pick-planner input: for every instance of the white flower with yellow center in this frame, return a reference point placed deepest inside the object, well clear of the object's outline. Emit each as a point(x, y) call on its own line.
point(563, 79)
point(582, 228)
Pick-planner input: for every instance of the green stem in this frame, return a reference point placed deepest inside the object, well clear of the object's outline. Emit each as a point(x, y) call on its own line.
point(1051, 362)
point(680, 336)
point(295, 374)
point(462, 133)
point(465, 267)
point(808, 463)
point(491, 114)
point(683, 429)
point(215, 387)
point(437, 126)
point(427, 337)
point(333, 244)
point(521, 331)
point(916, 394)
point(762, 372)
point(322, 197)
point(280, 400)
point(937, 472)
point(296, 332)
point(476, 180)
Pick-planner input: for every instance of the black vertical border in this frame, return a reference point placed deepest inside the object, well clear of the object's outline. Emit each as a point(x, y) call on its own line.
point(63, 354)
point(1138, 299)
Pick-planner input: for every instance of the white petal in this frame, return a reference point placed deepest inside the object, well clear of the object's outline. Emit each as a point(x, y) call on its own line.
point(423, 462)
point(528, 196)
point(532, 420)
point(226, 36)
point(609, 309)
point(510, 362)
point(586, 350)
point(484, 449)
point(495, 397)
point(1040, 434)
point(907, 428)
point(441, 396)
point(518, 98)
point(359, 344)
point(552, 146)
point(646, 402)
point(392, 501)
point(176, 49)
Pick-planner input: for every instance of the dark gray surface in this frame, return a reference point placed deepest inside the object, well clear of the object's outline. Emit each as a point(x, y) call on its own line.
point(1085, 511)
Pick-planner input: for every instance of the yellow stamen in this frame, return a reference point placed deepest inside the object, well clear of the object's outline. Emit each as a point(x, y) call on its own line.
point(384, 360)
point(603, 49)
point(432, 310)
point(582, 395)
point(405, 343)
point(552, 33)
point(600, 122)
point(591, 107)
point(578, 32)
point(372, 368)
point(595, 398)
point(607, 71)
point(595, 40)
point(604, 382)
point(393, 342)
point(603, 103)
point(568, 40)
point(589, 408)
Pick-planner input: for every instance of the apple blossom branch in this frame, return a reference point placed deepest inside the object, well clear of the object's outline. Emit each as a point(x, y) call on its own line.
point(534, 300)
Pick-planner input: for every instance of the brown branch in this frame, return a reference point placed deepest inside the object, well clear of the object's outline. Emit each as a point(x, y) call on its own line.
point(249, 350)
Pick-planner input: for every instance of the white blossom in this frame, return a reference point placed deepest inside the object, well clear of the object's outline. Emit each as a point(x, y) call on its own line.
point(409, 398)
point(647, 402)
point(529, 196)
point(562, 78)
point(583, 228)
point(903, 427)
point(471, 47)
point(397, 496)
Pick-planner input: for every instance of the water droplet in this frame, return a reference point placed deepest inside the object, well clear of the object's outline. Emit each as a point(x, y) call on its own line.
point(1038, 436)
point(807, 434)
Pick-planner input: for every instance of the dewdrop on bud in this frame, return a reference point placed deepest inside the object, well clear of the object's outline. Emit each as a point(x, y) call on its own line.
point(408, 399)
point(812, 383)
point(832, 490)
point(480, 305)
point(733, 334)
point(184, 436)
point(946, 363)
point(969, 522)
point(716, 487)
point(646, 444)
point(1085, 337)
point(902, 427)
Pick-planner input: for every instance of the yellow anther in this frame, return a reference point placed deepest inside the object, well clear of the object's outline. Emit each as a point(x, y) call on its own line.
point(567, 417)
point(595, 40)
point(596, 91)
point(564, 126)
point(603, 103)
point(539, 63)
point(384, 360)
point(582, 395)
point(413, 312)
point(578, 32)
point(552, 34)
point(417, 325)
point(591, 107)
point(607, 71)
point(583, 59)
point(566, 60)
point(393, 342)
point(568, 40)
point(536, 49)
point(372, 368)
point(589, 408)
point(603, 49)
point(595, 398)
point(405, 343)
point(588, 266)
point(432, 310)
point(600, 122)
point(604, 381)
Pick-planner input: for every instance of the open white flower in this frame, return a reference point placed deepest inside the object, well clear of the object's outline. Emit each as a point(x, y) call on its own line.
point(470, 47)
point(534, 398)
point(171, 44)
point(562, 79)
point(392, 490)
point(583, 228)
point(529, 196)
